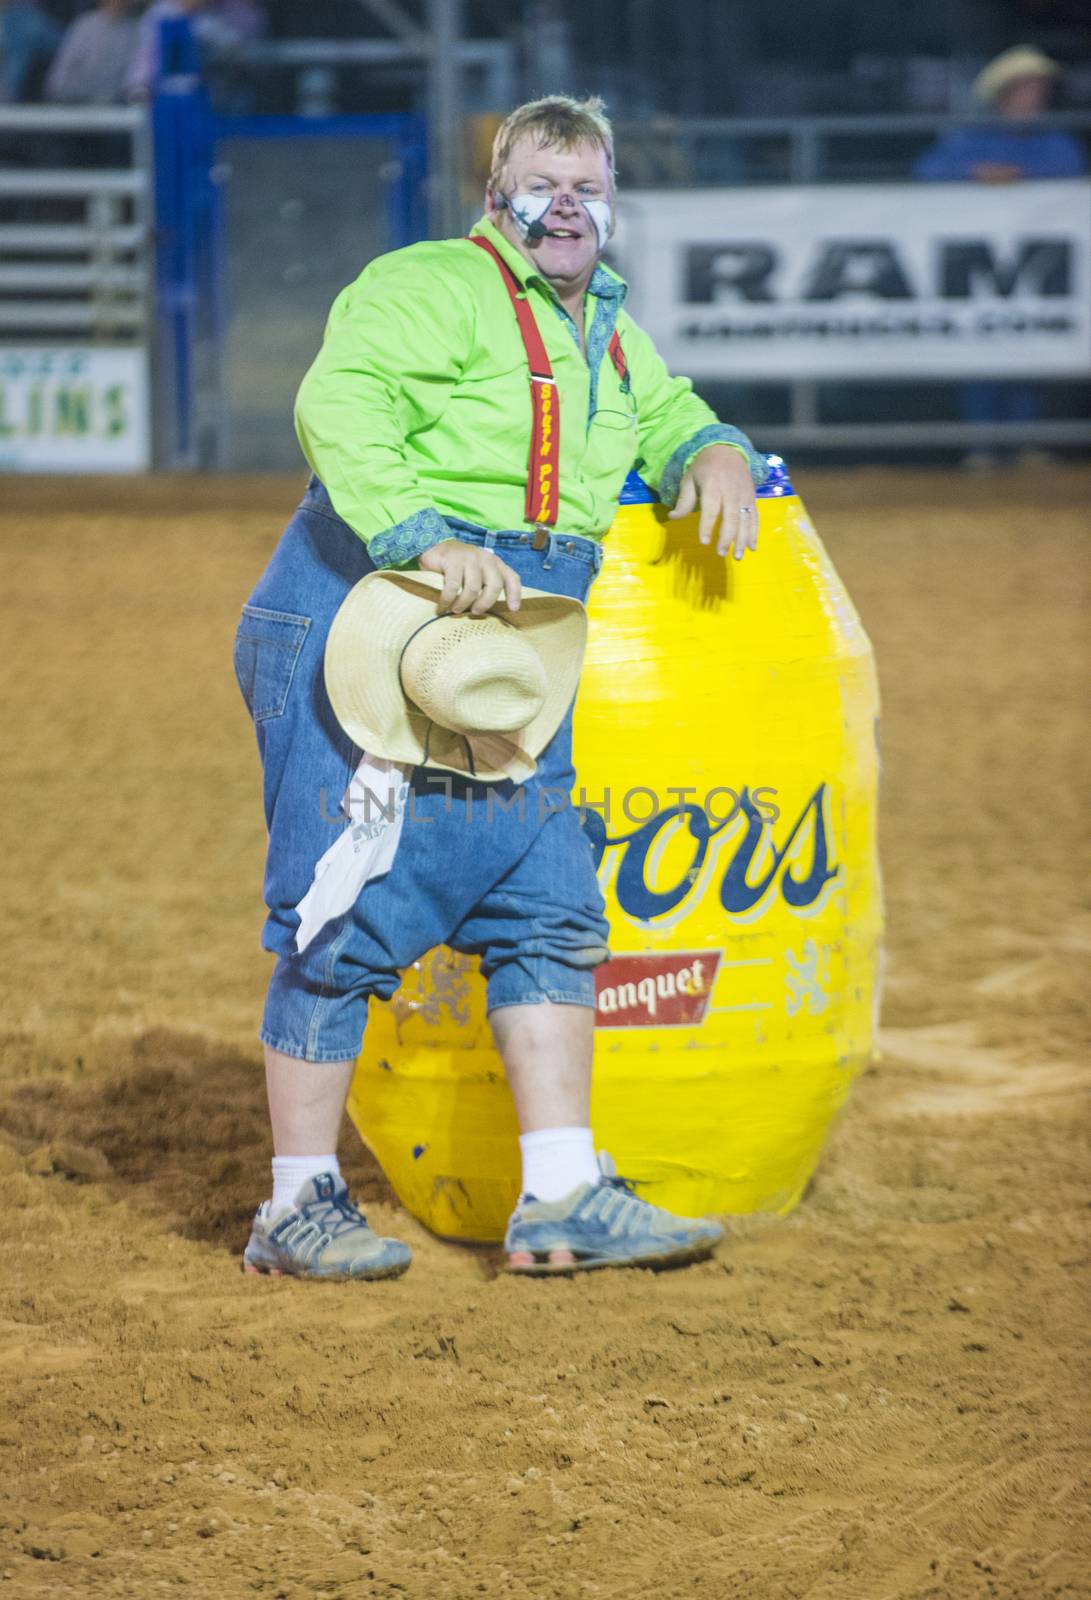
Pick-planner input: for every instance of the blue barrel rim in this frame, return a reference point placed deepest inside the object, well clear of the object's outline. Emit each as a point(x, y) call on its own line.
point(635, 492)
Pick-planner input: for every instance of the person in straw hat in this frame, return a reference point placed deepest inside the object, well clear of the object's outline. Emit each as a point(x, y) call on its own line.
point(1008, 147)
point(410, 657)
point(1015, 88)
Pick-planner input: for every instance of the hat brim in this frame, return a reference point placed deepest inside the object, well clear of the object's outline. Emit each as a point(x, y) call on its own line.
point(363, 653)
point(1009, 68)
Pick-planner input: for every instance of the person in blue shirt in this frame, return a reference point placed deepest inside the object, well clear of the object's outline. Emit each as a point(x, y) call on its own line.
point(28, 38)
point(1012, 148)
point(1016, 86)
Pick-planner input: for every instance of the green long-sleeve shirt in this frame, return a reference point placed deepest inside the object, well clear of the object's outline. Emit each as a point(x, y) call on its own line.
point(418, 406)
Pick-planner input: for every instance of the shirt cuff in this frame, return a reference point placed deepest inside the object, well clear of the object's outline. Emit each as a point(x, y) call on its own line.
point(400, 545)
point(670, 480)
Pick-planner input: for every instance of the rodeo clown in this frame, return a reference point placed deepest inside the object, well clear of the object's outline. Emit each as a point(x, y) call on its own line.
point(410, 656)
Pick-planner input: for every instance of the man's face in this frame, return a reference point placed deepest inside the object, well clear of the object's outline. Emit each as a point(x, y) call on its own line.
point(1026, 97)
point(566, 257)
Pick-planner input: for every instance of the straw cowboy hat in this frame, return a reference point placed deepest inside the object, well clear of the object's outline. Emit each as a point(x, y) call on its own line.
point(480, 696)
point(1021, 61)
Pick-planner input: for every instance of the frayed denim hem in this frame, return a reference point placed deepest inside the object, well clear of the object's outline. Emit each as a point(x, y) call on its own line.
point(541, 997)
point(300, 1053)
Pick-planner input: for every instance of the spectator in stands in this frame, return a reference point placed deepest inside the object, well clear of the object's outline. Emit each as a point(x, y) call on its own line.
point(221, 26)
point(653, 155)
point(1016, 87)
point(91, 68)
point(28, 37)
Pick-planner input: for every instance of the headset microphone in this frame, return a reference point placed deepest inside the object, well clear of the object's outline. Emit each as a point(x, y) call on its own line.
point(532, 228)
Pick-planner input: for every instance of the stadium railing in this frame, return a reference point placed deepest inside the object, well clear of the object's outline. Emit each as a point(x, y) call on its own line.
point(77, 295)
point(75, 238)
point(86, 224)
point(740, 151)
point(843, 413)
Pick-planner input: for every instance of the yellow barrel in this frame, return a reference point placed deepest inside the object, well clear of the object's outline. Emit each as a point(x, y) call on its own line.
point(725, 741)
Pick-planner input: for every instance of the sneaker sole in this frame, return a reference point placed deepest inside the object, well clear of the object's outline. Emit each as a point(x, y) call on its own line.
point(380, 1273)
point(658, 1263)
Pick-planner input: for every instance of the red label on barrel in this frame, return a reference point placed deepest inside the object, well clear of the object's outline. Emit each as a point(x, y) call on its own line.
point(669, 989)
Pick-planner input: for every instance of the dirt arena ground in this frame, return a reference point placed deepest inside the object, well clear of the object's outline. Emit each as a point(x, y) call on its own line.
point(879, 1398)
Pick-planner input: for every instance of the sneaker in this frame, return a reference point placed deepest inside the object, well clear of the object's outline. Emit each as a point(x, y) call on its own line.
point(323, 1236)
point(604, 1224)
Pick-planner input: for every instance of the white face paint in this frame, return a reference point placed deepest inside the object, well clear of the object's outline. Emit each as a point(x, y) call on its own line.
point(602, 216)
point(528, 208)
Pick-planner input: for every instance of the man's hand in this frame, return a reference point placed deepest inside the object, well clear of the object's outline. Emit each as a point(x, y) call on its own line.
point(718, 480)
point(996, 172)
point(473, 579)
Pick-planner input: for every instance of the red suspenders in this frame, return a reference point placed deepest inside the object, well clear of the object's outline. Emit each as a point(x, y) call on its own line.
point(545, 434)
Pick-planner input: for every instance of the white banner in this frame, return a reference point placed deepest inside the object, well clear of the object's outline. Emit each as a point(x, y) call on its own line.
point(893, 280)
point(73, 408)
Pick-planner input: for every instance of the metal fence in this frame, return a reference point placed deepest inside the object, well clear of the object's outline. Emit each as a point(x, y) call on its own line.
point(261, 219)
point(842, 413)
point(111, 237)
point(716, 151)
point(306, 203)
point(75, 234)
point(77, 300)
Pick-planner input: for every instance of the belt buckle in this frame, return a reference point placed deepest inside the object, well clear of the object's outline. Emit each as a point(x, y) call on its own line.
point(541, 538)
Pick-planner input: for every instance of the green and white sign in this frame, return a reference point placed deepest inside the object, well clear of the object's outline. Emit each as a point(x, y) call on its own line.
point(73, 408)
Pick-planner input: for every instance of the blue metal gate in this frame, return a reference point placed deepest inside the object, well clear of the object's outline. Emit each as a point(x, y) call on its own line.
point(245, 269)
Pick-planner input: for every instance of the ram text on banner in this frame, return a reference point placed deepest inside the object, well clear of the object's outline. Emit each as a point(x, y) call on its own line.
point(951, 280)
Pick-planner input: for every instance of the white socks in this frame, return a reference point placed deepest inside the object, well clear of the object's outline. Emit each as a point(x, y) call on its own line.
point(556, 1161)
point(290, 1173)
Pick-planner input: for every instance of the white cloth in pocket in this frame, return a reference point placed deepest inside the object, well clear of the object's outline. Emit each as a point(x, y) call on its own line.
point(375, 806)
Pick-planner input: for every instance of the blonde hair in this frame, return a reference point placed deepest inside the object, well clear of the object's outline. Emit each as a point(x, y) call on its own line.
point(557, 120)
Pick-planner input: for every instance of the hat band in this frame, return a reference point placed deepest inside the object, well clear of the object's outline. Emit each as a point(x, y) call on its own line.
point(427, 623)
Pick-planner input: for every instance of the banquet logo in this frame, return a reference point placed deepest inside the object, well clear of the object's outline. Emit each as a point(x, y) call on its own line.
point(757, 865)
point(665, 990)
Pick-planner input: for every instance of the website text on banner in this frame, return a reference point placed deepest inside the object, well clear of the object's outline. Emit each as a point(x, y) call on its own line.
point(839, 281)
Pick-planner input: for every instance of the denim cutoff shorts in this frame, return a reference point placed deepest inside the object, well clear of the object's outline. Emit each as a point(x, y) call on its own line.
point(510, 880)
